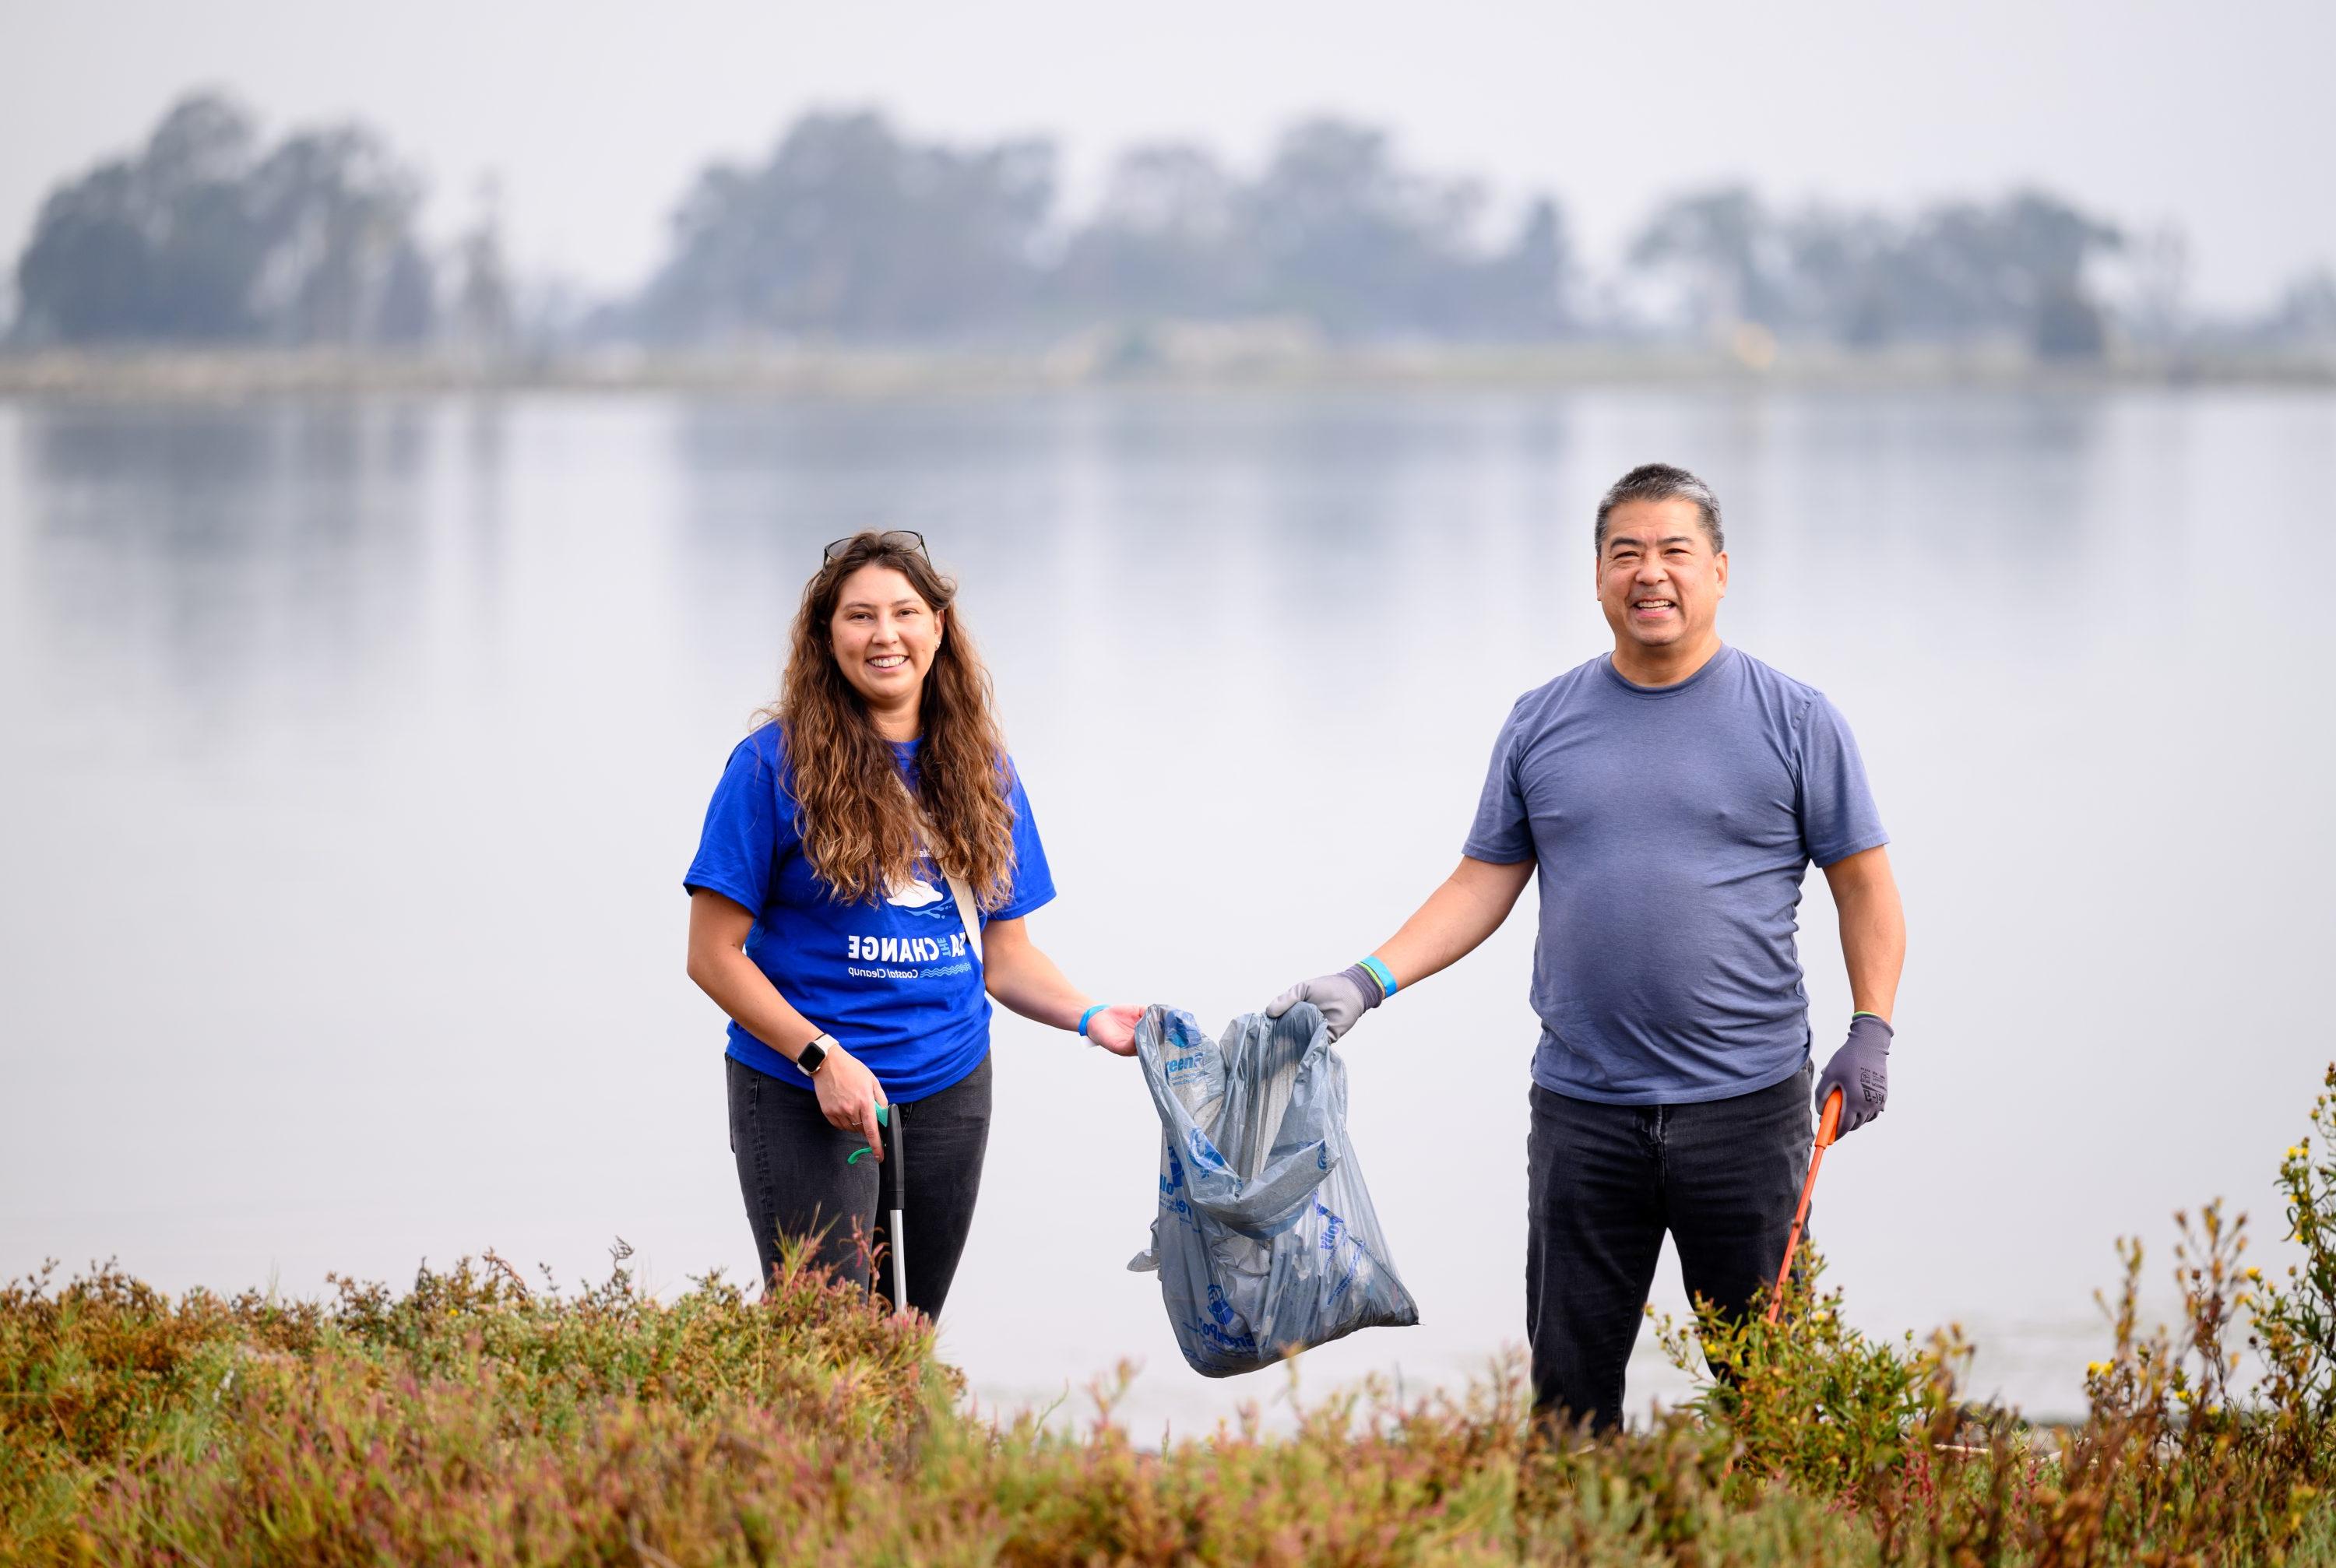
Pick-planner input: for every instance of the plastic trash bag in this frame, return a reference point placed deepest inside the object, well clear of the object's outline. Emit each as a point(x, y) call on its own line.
point(1266, 1242)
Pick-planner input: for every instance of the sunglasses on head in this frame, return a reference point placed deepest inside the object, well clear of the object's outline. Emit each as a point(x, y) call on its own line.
point(890, 539)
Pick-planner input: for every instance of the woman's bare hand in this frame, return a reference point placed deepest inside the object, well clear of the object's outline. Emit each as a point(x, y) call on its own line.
point(848, 1095)
point(1113, 1029)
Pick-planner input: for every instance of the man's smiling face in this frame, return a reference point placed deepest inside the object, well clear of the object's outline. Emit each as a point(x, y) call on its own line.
point(1659, 581)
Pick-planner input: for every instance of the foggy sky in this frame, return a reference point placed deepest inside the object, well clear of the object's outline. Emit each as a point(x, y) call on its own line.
point(595, 116)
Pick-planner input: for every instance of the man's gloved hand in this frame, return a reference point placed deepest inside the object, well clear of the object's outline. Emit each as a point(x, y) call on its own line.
point(1343, 998)
point(1861, 1071)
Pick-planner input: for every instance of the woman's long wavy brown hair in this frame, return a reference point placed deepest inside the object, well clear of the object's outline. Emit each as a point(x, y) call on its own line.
point(860, 827)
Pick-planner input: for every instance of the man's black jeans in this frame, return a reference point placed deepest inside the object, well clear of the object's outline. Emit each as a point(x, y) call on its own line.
point(1605, 1181)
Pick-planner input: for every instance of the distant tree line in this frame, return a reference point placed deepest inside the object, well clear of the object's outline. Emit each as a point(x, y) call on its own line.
point(851, 231)
point(1959, 271)
point(205, 235)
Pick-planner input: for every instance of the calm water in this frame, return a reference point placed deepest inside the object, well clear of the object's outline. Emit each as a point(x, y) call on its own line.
point(354, 754)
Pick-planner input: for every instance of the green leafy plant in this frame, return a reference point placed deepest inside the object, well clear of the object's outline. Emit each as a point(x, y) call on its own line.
point(1811, 1400)
point(2295, 1324)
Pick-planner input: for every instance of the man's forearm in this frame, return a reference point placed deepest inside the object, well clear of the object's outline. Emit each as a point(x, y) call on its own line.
point(1873, 944)
point(1456, 920)
point(1467, 907)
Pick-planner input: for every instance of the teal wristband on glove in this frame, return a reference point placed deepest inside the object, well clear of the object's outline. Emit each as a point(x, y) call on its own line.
point(1381, 973)
point(1086, 1017)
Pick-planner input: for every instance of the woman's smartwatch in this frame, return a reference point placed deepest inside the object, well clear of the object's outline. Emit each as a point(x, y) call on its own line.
point(808, 1059)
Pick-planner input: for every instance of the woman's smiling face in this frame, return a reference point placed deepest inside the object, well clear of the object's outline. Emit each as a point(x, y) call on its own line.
point(884, 637)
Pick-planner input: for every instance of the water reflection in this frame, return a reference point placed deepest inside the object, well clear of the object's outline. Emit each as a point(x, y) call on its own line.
point(186, 562)
point(403, 715)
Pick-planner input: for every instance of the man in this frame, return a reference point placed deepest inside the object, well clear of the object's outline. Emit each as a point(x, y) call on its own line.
point(1672, 794)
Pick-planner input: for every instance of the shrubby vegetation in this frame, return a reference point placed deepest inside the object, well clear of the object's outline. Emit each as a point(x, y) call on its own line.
point(851, 231)
point(478, 1418)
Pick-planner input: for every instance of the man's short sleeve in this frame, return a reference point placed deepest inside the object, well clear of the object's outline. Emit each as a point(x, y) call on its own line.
point(1838, 818)
point(1034, 882)
point(1502, 833)
point(736, 849)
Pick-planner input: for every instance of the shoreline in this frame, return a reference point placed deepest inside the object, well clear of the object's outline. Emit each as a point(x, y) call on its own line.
point(878, 374)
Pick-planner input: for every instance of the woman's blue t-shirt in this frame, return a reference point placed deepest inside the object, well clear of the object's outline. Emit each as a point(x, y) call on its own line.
point(894, 981)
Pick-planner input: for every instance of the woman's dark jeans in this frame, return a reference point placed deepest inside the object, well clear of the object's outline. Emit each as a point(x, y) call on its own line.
point(799, 1179)
point(1605, 1181)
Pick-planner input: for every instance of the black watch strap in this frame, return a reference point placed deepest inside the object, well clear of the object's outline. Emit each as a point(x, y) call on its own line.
point(812, 1057)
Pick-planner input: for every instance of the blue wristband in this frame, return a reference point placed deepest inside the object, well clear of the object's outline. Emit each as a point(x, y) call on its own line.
point(1381, 973)
point(1089, 1014)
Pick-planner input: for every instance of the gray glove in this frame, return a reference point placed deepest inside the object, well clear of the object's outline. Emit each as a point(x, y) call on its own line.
point(1343, 998)
point(1861, 1071)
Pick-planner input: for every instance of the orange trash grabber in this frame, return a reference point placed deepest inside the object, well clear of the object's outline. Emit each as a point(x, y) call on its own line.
point(1826, 1125)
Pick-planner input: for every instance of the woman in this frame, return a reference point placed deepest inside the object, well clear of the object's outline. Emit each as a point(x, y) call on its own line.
point(843, 842)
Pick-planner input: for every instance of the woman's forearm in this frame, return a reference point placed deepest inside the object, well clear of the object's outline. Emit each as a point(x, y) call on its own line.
point(1023, 979)
point(740, 989)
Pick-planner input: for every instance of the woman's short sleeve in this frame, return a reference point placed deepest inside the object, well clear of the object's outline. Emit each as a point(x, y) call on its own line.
point(739, 844)
point(1034, 883)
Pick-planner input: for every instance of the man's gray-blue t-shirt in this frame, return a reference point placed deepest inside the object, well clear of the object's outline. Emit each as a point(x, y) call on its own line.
point(1673, 825)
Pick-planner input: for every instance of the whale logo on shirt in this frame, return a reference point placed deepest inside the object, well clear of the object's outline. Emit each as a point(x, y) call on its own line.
point(915, 896)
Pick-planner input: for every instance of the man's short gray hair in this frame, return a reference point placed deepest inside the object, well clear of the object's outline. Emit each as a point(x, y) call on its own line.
point(1661, 482)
